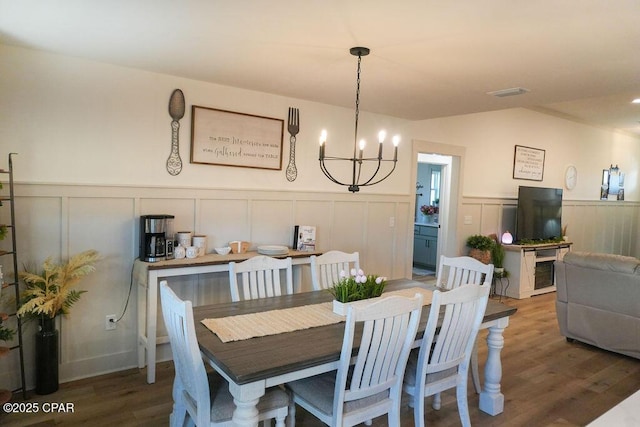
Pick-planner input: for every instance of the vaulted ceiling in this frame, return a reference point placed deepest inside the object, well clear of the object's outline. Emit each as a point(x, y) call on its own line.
point(577, 59)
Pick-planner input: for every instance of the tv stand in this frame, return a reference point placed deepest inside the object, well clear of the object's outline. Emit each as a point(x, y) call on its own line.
point(531, 268)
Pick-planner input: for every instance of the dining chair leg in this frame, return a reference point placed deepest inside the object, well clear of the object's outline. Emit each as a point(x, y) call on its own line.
point(280, 421)
point(437, 401)
point(179, 414)
point(393, 418)
point(291, 417)
point(418, 410)
point(475, 376)
point(463, 407)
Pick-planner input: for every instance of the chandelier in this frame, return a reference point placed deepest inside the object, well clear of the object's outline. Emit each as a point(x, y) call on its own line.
point(358, 147)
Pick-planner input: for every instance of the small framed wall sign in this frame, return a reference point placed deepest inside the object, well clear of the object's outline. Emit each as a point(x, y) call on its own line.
point(528, 163)
point(227, 138)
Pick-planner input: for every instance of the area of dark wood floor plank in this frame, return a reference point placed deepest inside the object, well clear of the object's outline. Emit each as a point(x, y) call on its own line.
point(546, 382)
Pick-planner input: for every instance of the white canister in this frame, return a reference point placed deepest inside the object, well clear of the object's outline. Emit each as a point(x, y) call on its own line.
point(179, 252)
point(200, 242)
point(192, 252)
point(184, 238)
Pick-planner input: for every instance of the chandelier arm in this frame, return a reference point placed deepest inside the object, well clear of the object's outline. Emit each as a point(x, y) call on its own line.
point(385, 177)
point(328, 174)
point(356, 179)
point(374, 174)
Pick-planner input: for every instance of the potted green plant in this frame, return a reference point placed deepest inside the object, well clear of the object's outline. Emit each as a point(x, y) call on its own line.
point(480, 247)
point(47, 295)
point(497, 258)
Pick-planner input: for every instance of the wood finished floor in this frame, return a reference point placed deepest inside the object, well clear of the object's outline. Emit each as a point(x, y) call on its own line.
point(546, 382)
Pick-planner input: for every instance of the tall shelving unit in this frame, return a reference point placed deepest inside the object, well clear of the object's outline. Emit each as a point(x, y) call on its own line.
point(5, 395)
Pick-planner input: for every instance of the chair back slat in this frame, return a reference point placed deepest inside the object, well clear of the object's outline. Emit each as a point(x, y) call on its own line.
point(457, 271)
point(260, 277)
point(389, 328)
point(458, 327)
point(326, 268)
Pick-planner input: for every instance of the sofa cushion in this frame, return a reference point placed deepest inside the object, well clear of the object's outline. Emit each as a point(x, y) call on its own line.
point(609, 262)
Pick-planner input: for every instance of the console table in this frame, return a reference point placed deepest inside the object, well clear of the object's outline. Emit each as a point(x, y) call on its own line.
point(531, 268)
point(147, 275)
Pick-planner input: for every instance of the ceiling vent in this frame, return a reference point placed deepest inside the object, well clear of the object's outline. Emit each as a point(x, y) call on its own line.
point(508, 92)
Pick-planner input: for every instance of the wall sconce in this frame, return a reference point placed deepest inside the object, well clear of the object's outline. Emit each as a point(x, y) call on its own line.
point(612, 183)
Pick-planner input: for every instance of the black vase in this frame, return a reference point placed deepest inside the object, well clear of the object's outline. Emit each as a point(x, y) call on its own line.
point(47, 356)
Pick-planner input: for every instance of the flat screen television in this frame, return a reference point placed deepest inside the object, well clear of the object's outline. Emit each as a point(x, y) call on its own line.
point(539, 214)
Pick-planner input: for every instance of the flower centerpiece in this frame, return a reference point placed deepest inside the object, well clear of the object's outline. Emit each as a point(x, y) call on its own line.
point(355, 287)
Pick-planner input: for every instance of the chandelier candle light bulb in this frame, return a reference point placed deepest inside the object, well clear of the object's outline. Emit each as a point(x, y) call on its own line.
point(381, 136)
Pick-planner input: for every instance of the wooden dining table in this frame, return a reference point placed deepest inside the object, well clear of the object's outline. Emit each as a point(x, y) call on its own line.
point(147, 275)
point(252, 365)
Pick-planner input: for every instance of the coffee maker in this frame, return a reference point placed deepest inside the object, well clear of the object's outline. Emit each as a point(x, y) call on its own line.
point(156, 237)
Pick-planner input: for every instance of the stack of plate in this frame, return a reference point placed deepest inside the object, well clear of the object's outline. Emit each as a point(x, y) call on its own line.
point(273, 250)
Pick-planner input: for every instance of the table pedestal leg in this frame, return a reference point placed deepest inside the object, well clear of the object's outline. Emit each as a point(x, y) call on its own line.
point(246, 398)
point(491, 400)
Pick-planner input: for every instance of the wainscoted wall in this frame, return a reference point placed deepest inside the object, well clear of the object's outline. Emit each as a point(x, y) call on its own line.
point(60, 220)
point(593, 226)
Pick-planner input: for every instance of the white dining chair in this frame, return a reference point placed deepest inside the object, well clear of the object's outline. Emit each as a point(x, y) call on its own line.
point(373, 385)
point(260, 277)
point(326, 268)
point(445, 352)
point(205, 399)
point(454, 272)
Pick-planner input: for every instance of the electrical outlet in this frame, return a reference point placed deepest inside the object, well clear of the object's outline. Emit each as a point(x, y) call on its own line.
point(110, 322)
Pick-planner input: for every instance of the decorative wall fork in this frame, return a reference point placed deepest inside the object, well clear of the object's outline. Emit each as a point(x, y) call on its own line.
point(294, 128)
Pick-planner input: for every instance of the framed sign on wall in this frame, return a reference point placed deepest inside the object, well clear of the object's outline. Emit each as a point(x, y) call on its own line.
point(227, 138)
point(528, 163)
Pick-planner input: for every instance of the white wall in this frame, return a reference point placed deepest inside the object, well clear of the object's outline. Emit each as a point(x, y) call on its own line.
point(490, 139)
point(76, 121)
point(93, 140)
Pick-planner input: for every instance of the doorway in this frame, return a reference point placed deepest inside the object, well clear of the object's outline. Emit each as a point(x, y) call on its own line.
point(432, 174)
point(448, 159)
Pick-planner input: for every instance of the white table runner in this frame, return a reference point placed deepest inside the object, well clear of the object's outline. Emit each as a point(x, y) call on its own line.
point(272, 322)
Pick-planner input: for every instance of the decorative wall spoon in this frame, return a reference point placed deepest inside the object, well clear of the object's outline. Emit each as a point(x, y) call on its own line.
point(176, 111)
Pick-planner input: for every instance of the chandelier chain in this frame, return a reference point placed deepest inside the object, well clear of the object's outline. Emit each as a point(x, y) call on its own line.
point(357, 101)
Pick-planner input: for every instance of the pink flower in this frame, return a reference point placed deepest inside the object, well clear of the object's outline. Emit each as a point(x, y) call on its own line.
point(429, 210)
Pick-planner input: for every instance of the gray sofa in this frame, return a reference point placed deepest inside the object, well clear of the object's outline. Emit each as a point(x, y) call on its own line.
point(598, 300)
